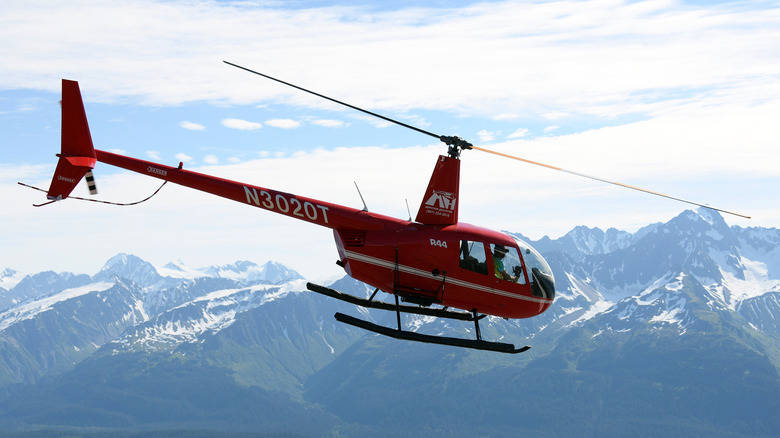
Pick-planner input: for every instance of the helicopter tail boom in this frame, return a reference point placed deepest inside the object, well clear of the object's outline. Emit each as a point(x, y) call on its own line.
point(78, 157)
point(311, 210)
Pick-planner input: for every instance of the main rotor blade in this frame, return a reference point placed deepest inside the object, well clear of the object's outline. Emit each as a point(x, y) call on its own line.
point(456, 142)
point(337, 101)
point(607, 181)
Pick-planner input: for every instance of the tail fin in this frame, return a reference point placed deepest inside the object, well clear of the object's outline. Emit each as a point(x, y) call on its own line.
point(439, 206)
point(77, 155)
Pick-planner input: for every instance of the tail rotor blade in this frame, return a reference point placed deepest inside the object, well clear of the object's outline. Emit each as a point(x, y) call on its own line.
point(91, 182)
point(571, 172)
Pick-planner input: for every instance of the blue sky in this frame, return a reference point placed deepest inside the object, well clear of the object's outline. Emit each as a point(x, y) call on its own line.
point(677, 97)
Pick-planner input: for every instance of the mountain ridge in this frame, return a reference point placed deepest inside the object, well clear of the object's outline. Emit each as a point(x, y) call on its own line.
point(679, 314)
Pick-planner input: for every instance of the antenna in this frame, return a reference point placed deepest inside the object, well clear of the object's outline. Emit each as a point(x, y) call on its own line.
point(365, 207)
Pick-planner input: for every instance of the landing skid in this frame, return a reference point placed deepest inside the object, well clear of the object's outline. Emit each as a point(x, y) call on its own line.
point(477, 344)
point(370, 303)
point(430, 339)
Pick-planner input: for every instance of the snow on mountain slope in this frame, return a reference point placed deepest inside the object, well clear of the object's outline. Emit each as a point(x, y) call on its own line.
point(31, 309)
point(178, 269)
point(650, 280)
point(41, 284)
point(10, 278)
point(670, 302)
point(271, 272)
point(212, 312)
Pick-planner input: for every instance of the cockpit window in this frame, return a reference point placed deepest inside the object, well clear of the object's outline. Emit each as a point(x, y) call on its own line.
point(507, 264)
point(472, 256)
point(540, 274)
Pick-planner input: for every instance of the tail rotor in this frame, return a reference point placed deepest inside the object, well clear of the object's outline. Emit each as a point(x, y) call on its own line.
point(90, 178)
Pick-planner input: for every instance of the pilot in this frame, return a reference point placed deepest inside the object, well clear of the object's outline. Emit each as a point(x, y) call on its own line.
point(499, 252)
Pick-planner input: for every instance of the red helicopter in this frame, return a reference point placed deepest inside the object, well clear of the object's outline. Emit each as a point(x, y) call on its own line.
point(433, 263)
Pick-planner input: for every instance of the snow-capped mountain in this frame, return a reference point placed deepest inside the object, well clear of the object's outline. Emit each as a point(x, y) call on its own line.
point(129, 267)
point(211, 312)
point(31, 286)
point(697, 243)
point(51, 321)
point(51, 333)
point(657, 300)
point(271, 272)
point(9, 278)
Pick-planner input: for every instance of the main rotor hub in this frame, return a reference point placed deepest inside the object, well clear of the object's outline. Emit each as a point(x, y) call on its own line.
point(456, 144)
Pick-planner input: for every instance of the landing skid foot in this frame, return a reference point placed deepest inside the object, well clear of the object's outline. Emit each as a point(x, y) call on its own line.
point(430, 339)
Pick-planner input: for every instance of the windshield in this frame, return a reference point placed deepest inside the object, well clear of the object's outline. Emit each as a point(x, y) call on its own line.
point(540, 274)
point(507, 264)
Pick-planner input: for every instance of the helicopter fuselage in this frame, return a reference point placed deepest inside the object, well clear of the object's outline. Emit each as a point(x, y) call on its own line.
point(423, 264)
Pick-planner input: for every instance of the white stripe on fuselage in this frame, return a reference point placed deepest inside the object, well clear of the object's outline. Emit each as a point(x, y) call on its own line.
point(382, 263)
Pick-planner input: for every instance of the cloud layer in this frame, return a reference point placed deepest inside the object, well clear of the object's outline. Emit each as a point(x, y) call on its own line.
point(600, 58)
point(682, 99)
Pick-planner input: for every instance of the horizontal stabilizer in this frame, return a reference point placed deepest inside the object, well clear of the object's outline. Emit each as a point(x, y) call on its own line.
point(66, 176)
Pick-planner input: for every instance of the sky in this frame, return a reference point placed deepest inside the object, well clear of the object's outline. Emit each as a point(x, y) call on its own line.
point(677, 97)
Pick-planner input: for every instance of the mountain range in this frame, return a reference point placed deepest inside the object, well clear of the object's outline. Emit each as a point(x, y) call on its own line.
point(671, 330)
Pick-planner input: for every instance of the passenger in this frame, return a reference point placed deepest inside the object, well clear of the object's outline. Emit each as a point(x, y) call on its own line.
point(499, 252)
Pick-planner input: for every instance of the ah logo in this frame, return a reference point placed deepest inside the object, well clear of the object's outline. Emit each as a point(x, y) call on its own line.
point(442, 200)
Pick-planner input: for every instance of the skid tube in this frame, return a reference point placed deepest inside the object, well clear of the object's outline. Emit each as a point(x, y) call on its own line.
point(477, 344)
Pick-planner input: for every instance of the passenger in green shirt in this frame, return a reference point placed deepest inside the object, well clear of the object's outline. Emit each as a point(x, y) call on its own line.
point(499, 252)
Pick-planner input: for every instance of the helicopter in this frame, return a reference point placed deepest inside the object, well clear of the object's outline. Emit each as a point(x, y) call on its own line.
point(433, 265)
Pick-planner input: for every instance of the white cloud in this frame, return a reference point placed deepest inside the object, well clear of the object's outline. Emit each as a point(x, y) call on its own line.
point(283, 123)
point(211, 159)
point(154, 155)
point(192, 126)
point(184, 158)
point(329, 123)
point(555, 115)
point(486, 136)
point(601, 58)
point(242, 125)
point(521, 132)
point(371, 120)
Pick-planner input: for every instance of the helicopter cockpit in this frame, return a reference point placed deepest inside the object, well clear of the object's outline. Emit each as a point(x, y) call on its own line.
point(509, 264)
point(540, 275)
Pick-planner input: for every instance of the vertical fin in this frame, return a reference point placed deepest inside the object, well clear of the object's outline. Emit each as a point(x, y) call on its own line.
point(76, 139)
point(440, 203)
point(77, 153)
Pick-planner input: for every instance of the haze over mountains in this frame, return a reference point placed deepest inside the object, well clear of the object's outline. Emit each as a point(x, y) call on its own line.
point(672, 330)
